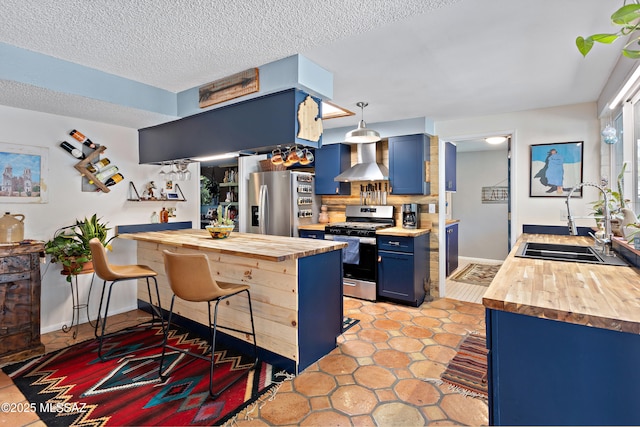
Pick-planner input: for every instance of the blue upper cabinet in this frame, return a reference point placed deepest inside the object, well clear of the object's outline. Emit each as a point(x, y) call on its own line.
point(331, 160)
point(282, 118)
point(407, 156)
point(450, 166)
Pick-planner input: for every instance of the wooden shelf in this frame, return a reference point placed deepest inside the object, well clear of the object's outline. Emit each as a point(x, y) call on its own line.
point(135, 197)
point(82, 168)
point(228, 184)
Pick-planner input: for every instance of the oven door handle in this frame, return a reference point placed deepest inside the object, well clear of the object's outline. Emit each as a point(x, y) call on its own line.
point(347, 283)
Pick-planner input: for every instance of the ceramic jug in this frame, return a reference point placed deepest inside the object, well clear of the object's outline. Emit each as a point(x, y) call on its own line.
point(11, 228)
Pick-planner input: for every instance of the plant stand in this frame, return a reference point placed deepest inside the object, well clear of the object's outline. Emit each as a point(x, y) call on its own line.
point(76, 306)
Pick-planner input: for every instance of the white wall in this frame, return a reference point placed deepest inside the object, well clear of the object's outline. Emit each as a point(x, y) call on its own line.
point(67, 202)
point(483, 228)
point(544, 126)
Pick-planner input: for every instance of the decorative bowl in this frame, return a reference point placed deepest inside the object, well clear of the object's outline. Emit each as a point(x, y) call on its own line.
point(220, 231)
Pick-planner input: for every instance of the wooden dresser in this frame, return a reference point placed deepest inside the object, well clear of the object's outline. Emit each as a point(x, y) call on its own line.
point(20, 301)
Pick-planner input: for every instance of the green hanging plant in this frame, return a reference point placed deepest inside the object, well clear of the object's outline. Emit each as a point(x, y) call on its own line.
point(627, 18)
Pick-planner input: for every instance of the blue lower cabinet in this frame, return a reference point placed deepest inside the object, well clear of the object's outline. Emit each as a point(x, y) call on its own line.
point(548, 372)
point(311, 234)
point(403, 268)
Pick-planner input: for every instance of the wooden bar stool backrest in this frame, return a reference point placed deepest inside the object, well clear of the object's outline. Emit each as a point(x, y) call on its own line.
point(190, 278)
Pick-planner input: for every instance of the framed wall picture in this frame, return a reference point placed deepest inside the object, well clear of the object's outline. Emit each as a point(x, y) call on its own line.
point(556, 169)
point(24, 171)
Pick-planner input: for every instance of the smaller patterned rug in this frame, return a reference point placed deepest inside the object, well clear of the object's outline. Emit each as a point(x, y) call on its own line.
point(467, 371)
point(348, 322)
point(476, 274)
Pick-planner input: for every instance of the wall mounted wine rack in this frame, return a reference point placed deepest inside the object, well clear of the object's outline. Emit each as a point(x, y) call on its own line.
point(81, 166)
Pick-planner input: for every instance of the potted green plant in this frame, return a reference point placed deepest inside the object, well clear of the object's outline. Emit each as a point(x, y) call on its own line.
point(70, 245)
point(617, 205)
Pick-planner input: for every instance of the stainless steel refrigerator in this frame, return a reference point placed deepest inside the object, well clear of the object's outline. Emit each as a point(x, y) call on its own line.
point(280, 201)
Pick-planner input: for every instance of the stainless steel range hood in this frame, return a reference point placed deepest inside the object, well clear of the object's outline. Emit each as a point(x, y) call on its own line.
point(366, 169)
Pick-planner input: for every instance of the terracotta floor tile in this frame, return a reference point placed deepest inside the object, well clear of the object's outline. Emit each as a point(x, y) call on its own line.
point(386, 395)
point(391, 358)
point(449, 340)
point(426, 322)
point(374, 377)
point(358, 348)
point(438, 353)
point(400, 316)
point(287, 408)
point(354, 400)
point(336, 364)
point(319, 402)
point(398, 414)
point(435, 313)
point(314, 384)
point(444, 303)
point(387, 324)
point(417, 392)
point(465, 410)
point(466, 318)
point(345, 379)
point(326, 418)
point(433, 413)
point(363, 421)
point(427, 369)
point(417, 332)
point(373, 335)
point(461, 328)
point(405, 344)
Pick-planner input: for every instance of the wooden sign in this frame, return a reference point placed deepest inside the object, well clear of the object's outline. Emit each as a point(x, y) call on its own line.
point(234, 86)
point(309, 120)
point(495, 194)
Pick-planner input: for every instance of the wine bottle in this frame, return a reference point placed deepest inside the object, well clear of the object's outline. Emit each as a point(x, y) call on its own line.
point(105, 174)
point(98, 166)
point(72, 150)
point(83, 139)
point(114, 179)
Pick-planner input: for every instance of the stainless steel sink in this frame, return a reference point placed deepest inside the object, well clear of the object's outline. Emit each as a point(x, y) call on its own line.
point(570, 253)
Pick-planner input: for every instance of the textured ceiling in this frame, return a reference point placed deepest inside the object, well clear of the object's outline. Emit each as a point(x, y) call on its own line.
point(441, 59)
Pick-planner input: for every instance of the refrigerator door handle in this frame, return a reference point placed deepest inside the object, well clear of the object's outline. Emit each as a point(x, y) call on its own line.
point(262, 212)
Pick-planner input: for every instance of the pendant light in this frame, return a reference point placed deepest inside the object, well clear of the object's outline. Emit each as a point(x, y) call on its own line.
point(361, 133)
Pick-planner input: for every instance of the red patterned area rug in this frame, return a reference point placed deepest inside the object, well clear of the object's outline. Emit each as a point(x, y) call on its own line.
point(467, 371)
point(72, 387)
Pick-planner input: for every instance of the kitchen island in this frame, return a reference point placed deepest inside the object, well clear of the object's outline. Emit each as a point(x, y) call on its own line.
point(296, 288)
point(563, 340)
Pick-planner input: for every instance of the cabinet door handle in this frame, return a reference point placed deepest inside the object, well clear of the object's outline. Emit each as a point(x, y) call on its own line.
point(394, 243)
point(379, 258)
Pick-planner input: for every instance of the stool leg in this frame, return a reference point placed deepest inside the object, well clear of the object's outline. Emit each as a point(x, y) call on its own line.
point(253, 331)
point(165, 340)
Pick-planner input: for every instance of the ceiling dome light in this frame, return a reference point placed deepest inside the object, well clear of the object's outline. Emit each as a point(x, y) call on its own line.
point(361, 133)
point(495, 140)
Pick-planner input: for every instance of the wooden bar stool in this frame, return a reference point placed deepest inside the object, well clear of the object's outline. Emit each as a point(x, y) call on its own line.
point(190, 279)
point(115, 274)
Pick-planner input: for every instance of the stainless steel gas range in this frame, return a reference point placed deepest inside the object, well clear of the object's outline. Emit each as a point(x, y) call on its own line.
point(360, 258)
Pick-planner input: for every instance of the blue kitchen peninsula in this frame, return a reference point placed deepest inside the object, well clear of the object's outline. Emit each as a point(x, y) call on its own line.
point(563, 340)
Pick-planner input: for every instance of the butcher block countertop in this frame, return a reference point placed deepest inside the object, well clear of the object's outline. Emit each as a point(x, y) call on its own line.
point(402, 232)
point(391, 231)
point(258, 246)
point(601, 296)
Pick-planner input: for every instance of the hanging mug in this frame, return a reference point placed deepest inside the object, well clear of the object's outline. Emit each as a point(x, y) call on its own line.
point(277, 157)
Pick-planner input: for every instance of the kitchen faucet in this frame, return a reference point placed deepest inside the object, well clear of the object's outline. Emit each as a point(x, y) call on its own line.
point(607, 239)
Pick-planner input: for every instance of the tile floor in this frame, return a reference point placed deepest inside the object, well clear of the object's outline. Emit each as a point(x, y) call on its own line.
point(373, 378)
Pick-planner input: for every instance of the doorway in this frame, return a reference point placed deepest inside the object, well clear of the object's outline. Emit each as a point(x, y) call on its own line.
point(481, 206)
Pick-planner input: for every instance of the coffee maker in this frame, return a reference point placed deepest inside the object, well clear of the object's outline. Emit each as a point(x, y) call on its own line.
point(410, 215)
